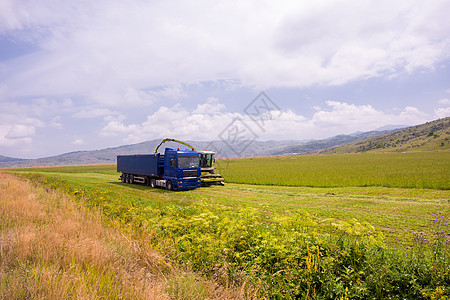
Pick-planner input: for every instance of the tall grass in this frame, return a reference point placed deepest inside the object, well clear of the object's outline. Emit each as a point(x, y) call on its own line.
point(54, 248)
point(406, 170)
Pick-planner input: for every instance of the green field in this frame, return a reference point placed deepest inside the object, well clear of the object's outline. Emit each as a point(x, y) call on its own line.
point(410, 170)
point(322, 227)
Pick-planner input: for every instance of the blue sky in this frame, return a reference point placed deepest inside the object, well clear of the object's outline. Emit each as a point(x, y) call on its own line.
point(83, 75)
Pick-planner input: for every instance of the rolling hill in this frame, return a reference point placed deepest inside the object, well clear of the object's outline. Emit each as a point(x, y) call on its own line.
point(431, 136)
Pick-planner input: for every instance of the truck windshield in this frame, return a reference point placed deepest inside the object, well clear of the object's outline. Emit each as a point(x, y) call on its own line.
point(188, 161)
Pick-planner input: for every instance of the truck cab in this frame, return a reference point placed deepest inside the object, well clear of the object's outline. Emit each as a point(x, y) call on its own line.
point(181, 169)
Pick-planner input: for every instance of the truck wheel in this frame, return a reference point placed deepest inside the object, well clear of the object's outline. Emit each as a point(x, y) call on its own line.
point(153, 183)
point(131, 179)
point(169, 186)
point(123, 178)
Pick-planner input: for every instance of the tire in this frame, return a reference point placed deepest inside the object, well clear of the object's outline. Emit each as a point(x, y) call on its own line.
point(123, 178)
point(152, 183)
point(169, 185)
point(131, 179)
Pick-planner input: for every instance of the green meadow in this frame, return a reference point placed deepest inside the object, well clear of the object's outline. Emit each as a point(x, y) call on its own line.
point(405, 170)
point(314, 227)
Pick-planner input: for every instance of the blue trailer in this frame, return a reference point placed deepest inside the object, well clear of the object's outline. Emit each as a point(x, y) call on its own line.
point(174, 170)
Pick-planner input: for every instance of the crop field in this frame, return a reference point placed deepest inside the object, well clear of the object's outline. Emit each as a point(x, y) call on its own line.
point(312, 227)
point(410, 170)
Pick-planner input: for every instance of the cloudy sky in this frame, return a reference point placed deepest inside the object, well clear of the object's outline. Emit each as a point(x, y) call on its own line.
point(83, 75)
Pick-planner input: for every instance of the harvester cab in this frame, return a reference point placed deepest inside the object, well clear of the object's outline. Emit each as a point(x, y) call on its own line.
point(209, 177)
point(206, 159)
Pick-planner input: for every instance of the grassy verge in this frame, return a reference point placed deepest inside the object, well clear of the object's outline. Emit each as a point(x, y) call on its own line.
point(54, 247)
point(282, 241)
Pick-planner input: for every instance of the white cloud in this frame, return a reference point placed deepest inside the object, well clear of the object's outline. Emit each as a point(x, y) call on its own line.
point(34, 112)
point(444, 101)
point(113, 52)
point(78, 142)
point(198, 124)
point(93, 113)
point(18, 131)
point(19, 122)
point(211, 106)
point(56, 123)
point(442, 112)
point(16, 134)
point(115, 127)
point(344, 114)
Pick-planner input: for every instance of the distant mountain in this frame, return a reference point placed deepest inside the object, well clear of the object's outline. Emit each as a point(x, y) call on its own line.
point(9, 159)
point(390, 127)
point(314, 146)
point(430, 136)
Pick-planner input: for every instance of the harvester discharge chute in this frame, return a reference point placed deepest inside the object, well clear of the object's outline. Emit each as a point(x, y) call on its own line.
point(208, 177)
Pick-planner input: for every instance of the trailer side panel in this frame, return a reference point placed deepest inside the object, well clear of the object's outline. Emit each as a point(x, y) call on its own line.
point(140, 164)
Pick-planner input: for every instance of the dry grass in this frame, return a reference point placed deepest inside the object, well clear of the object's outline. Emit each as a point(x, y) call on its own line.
point(51, 247)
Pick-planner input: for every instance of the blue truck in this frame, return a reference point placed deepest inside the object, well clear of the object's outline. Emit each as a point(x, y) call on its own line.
point(176, 169)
